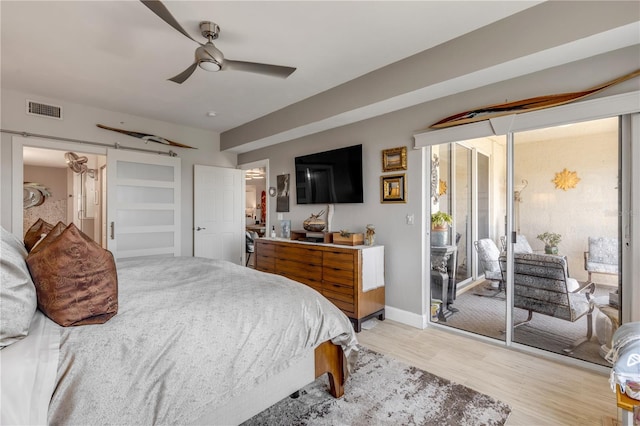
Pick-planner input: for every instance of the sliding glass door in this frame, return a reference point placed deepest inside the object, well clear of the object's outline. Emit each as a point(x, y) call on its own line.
point(566, 258)
point(470, 181)
point(539, 266)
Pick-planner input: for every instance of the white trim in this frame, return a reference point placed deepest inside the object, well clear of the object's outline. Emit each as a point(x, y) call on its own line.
point(405, 317)
point(594, 109)
point(17, 169)
point(509, 286)
point(425, 231)
point(630, 134)
point(254, 165)
point(615, 105)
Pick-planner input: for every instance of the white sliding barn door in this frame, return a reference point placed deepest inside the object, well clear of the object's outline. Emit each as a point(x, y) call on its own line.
point(143, 204)
point(218, 213)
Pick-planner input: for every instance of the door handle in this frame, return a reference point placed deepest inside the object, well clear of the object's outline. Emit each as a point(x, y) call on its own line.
point(200, 229)
point(113, 230)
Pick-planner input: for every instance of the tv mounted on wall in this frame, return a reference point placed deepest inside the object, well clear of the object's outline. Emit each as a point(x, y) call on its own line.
point(330, 177)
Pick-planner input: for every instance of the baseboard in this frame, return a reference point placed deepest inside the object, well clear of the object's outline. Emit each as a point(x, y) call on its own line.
point(405, 317)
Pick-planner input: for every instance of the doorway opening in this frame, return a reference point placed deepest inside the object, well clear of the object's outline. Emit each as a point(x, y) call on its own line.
point(256, 213)
point(566, 182)
point(72, 190)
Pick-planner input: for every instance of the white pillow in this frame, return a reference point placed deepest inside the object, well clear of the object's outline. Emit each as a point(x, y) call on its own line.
point(18, 299)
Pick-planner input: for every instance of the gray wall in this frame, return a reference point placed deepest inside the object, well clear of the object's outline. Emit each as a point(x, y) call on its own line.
point(80, 123)
point(403, 243)
point(546, 35)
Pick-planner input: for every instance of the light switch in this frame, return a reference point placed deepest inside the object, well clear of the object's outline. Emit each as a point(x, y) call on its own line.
point(280, 216)
point(410, 219)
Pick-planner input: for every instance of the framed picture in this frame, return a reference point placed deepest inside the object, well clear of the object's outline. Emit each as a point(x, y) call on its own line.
point(282, 199)
point(285, 226)
point(394, 159)
point(393, 189)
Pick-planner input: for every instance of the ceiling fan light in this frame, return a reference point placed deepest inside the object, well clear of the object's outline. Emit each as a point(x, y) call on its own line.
point(209, 65)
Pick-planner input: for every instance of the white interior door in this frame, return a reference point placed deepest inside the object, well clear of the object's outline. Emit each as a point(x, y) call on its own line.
point(218, 210)
point(143, 204)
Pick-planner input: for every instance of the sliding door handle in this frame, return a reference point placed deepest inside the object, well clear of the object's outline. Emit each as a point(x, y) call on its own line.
point(113, 230)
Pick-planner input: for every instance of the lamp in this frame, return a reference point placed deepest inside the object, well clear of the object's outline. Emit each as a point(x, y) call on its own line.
point(517, 198)
point(209, 65)
point(517, 190)
point(254, 174)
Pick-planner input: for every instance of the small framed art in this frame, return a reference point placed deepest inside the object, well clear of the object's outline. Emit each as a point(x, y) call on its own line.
point(393, 189)
point(394, 159)
point(282, 199)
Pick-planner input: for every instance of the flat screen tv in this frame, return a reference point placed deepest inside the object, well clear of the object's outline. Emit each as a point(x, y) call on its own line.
point(330, 177)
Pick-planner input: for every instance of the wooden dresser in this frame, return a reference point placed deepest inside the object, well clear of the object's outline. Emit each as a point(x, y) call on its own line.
point(350, 277)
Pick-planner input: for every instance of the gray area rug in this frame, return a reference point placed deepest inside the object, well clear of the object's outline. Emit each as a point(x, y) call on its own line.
point(384, 391)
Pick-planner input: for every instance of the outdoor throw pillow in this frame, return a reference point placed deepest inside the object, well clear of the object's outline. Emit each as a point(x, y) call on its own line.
point(76, 280)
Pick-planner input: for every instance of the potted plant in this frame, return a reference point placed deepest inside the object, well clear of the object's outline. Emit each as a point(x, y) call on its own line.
point(551, 241)
point(440, 222)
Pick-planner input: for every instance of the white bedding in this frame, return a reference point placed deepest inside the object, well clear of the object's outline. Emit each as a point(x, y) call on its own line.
point(190, 334)
point(28, 374)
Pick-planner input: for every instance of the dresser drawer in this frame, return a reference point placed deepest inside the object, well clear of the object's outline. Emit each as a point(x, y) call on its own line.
point(265, 263)
point(338, 276)
point(299, 269)
point(347, 298)
point(265, 249)
point(337, 260)
point(300, 254)
point(345, 307)
point(338, 288)
point(335, 272)
point(314, 285)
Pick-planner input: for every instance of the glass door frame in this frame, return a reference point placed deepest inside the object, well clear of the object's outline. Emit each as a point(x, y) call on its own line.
point(471, 255)
point(624, 105)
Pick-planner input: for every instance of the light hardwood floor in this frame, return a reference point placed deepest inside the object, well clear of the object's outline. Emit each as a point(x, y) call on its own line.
point(539, 391)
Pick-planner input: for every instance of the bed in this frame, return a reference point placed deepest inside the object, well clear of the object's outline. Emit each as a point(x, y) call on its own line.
point(194, 341)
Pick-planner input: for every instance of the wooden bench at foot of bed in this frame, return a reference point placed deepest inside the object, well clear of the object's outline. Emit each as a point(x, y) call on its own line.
point(329, 358)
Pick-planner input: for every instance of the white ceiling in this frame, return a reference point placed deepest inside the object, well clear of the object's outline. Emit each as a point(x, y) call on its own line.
point(118, 55)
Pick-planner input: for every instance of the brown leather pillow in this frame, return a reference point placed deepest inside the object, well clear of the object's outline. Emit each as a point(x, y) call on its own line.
point(34, 234)
point(76, 280)
point(51, 236)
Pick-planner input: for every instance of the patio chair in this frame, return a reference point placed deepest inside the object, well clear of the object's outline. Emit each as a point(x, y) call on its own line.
point(542, 285)
point(250, 237)
point(602, 257)
point(488, 260)
point(521, 246)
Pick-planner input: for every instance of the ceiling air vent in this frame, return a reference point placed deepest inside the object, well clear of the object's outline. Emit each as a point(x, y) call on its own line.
point(44, 110)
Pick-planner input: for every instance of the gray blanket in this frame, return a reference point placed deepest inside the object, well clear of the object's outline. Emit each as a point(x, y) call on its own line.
point(190, 333)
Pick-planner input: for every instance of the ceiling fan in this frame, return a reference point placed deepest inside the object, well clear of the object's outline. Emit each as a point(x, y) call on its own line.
point(207, 56)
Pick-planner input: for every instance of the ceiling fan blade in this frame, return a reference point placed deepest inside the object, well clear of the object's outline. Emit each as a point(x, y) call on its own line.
point(272, 70)
point(180, 78)
point(163, 13)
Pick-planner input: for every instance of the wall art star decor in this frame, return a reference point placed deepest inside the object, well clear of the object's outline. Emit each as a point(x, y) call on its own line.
point(442, 188)
point(566, 180)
